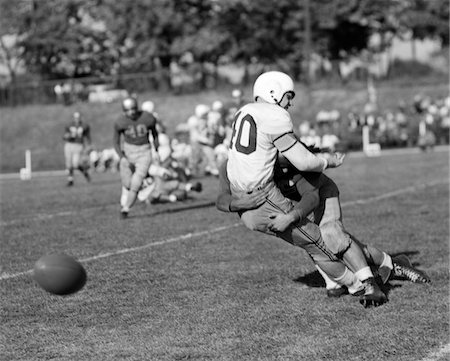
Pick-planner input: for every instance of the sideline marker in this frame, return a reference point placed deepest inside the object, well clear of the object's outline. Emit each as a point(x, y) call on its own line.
point(25, 173)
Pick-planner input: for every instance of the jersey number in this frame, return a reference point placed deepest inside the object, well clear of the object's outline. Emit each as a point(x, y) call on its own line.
point(135, 131)
point(245, 140)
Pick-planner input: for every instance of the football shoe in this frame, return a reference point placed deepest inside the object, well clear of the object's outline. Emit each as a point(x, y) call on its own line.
point(123, 214)
point(403, 269)
point(337, 292)
point(373, 296)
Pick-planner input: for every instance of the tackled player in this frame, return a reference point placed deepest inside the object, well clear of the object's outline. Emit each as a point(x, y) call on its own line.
point(260, 130)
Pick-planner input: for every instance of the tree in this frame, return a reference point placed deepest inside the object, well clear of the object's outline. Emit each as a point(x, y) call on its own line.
point(11, 53)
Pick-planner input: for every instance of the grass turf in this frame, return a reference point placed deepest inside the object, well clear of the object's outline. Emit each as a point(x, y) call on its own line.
point(227, 294)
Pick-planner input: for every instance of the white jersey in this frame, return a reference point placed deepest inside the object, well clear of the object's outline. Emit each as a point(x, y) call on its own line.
point(252, 153)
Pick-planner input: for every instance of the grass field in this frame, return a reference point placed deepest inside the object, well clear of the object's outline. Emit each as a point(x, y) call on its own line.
point(186, 282)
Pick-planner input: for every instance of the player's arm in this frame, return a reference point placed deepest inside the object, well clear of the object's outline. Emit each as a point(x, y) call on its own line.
point(154, 132)
point(226, 202)
point(116, 142)
point(301, 158)
point(67, 135)
point(308, 189)
point(309, 201)
point(309, 192)
point(87, 136)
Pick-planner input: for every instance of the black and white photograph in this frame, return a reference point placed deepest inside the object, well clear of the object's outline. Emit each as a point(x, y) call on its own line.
point(224, 180)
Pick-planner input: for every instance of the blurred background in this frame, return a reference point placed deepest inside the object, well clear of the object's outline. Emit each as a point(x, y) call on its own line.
point(383, 64)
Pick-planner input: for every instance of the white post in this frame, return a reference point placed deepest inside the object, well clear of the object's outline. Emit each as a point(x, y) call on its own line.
point(365, 137)
point(28, 160)
point(369, 149)
point(25, 173)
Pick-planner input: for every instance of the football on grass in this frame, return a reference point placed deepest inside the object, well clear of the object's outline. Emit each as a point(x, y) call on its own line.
point(59, 274)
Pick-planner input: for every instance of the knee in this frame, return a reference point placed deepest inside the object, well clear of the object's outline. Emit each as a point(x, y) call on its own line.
point(336, 240)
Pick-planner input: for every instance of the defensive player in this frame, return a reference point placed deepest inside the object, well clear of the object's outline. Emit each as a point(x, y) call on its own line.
point(77, 137)
point(132, 144)
point(318, 196)
point(261, 130)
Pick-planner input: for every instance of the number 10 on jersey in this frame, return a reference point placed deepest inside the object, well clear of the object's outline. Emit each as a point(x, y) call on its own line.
point(243, 138)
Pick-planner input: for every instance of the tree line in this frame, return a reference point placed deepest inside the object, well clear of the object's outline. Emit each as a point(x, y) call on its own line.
point(58, 39)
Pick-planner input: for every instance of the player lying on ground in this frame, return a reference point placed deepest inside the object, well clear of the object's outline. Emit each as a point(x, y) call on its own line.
point(163, 185)
point(262, 129)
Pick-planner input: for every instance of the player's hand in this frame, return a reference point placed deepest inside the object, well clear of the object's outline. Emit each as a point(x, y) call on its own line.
point(334, 159)
point(280, 221)
point(250, 200)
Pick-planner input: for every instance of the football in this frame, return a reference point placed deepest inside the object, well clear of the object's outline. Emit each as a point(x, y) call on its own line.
point(59, 274)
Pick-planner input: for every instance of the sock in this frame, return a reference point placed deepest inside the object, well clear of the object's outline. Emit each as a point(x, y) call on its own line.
point(123, 197)
point(329, 283)
point(364, 273)
point(387, 261)
point(350, 280)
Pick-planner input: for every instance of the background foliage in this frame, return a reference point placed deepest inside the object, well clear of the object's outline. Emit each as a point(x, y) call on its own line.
point(73, 38)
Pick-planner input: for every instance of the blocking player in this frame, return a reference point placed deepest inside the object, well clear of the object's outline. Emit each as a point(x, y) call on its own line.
point(262, 129)
point(132, 144)
point(327, 214)
point(77, 137)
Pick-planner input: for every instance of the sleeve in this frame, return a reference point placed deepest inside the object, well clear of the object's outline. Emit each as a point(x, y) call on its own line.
point(275, 123)
point(300, 157)
point(116, 141)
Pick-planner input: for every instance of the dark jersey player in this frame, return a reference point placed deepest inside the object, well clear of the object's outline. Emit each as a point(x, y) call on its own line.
point(77, 137)
point(132, 131)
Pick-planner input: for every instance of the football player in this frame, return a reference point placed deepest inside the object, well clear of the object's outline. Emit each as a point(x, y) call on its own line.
point(327, 214)
point(158, 189)
point(77, 137)
point(262, 129)
point(131, 142)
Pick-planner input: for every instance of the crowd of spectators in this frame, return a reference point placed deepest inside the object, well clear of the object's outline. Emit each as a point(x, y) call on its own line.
point(424, 122)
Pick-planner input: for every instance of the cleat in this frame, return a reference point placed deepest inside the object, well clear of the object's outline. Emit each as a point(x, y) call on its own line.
point(385, 273)
point(87, 176)
point(373, 296)
point(197, 187)
point(123, 214)
point(69, 183)
point(337, 292)
point(403, 269)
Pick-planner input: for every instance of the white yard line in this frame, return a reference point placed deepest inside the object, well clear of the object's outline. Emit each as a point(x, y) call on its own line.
point(187, 236)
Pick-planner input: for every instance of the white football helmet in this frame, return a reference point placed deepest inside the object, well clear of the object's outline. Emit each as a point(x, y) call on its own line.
point(217, 105)
point(201, 110)
point(148, 106)
point(272, 86)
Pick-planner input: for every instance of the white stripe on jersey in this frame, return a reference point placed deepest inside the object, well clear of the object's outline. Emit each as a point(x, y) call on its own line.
point(252, 154)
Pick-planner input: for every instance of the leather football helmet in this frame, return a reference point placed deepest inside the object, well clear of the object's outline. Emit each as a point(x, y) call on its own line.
point(129, 104)
point(148, 106)
point(272, 86)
